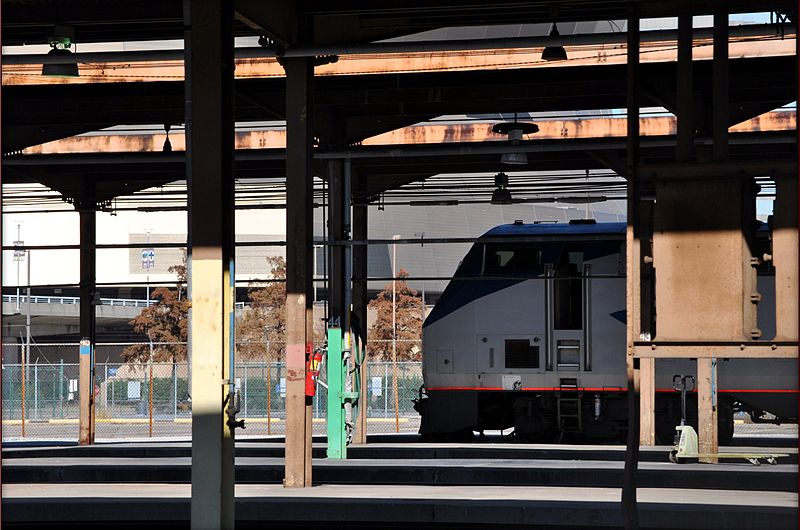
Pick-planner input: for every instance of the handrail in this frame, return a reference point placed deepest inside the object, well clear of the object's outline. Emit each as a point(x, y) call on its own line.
point(74, 300)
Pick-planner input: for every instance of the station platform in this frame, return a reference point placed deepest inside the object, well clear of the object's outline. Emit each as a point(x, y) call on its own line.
point(393, 484)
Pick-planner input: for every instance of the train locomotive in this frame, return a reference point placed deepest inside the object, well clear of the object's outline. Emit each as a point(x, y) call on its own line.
point(530, 335)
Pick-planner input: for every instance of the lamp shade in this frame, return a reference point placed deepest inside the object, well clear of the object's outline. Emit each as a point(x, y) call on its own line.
point(514, 159)
point(60, 70)
point(501, 196)
point(554, 53)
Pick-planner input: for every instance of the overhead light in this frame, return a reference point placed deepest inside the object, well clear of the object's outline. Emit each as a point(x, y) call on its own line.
point(167, 148)
point(514, 159)
point(515, 131)
point(60, 48)
point(501, 195)
point(554, 53)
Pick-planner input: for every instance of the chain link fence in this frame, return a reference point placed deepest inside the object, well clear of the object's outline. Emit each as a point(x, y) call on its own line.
point(140, 400)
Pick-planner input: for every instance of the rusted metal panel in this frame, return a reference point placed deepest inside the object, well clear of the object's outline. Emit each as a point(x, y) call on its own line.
point(418, 134)
point(698, 254)
point(402, 63)
point(766, 350)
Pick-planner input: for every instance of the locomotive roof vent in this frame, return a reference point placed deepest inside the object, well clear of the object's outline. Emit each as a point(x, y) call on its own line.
point(518, 221)
point(582, 222)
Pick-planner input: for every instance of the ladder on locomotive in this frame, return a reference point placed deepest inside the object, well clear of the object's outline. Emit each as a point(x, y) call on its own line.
point(568, 400)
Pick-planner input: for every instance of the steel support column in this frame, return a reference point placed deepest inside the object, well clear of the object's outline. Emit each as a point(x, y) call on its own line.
point(360, 313)
point(719, 88)
point(629, 508)
point(684, 89)
point(337, 231)
point(210, 176)
point(88, 228)
point(785, 259)
point(705, 276)
point(299, 232)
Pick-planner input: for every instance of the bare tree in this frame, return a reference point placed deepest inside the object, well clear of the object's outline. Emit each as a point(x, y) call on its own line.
point(165, 321)
point(261, 331)
point(408, 320)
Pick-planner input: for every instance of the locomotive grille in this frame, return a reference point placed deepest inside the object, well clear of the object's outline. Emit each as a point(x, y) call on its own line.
point(520, 354)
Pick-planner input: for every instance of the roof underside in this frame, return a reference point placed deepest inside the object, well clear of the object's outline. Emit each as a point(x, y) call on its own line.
point(351, 108)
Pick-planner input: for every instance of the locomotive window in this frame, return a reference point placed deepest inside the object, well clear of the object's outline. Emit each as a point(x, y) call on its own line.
point(505, 259)
point(568, 297)
point(520, 354)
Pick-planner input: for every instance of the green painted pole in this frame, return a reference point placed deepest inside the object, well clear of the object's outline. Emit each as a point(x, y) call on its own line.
point(337, 444)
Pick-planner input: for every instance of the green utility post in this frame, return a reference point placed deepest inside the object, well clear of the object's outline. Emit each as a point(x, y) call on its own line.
point(337, 394)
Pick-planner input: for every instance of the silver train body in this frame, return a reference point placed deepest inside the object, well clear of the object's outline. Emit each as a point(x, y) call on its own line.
point(530, 334)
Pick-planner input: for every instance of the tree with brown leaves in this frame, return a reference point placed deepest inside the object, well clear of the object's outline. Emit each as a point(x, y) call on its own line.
point(166, 320)
point(408, 320)
point(261, 330)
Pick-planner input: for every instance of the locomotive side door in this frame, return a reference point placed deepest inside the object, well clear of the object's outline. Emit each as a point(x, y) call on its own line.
point(566, 305)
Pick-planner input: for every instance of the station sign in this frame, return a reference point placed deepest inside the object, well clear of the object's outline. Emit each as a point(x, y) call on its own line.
point(148, 258)
point(19, 254)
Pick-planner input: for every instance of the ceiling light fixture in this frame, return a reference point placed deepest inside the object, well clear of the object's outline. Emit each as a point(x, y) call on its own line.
point(515, 131)
point(501, 195)
point(61, 42)
point(554, 53)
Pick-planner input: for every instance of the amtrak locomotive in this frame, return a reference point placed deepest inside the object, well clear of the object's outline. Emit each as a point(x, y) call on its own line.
point(530, 334)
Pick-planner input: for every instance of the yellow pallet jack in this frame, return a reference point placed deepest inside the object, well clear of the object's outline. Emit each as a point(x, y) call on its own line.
point(686, 447)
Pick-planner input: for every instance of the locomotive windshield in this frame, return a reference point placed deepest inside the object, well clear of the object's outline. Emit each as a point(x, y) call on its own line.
point(511, 259)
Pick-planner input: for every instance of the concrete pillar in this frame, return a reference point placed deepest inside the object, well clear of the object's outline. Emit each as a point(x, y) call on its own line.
point(86, 424)
point(210, 176)
point(360, 311)
point(629, 509)
point(299, 226)
point(784, 257)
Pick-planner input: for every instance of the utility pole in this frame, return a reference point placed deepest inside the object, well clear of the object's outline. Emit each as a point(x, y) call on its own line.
point(394, 333)
point(19, 255)
point(28, 316)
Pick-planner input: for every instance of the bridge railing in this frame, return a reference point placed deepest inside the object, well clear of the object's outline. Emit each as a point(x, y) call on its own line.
point(22, 300)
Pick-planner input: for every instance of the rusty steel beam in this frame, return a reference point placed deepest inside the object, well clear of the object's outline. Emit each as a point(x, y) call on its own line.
point(268, 67)
point(88, 266)
point(724, 169)
point(299, 225)
point(415, 135)
point(701, 350)
point(707, 415)
point(389, 48)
